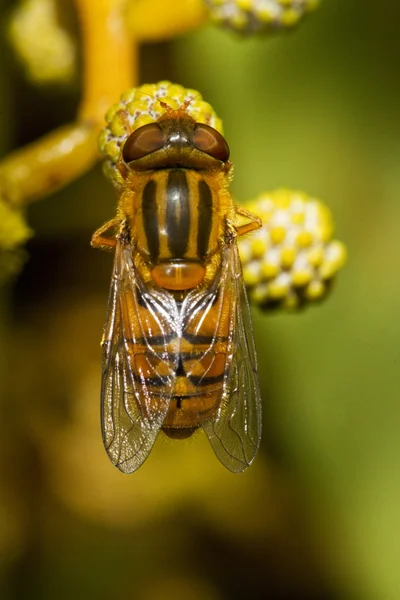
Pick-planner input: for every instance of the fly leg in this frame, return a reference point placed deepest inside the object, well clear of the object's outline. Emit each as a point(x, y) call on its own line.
point(254, 222)
point(99, 240)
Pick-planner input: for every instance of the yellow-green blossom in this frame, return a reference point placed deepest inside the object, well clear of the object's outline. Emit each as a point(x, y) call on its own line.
point(45, 48)
point(254, 16)
point(293, 259)
point(13, 234)
point(139, 106)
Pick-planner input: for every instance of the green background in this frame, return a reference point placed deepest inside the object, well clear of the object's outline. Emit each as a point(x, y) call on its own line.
point(318, 514)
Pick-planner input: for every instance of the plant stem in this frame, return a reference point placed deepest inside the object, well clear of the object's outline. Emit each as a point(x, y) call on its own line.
point(110, 62)
point(110, 57)
point(157, 20)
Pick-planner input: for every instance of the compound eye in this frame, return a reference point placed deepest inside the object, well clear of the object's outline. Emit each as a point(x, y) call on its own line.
point(210, 141)
point(143, 141)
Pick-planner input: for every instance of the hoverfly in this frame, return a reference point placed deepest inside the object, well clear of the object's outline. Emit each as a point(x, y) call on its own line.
point(178, 350)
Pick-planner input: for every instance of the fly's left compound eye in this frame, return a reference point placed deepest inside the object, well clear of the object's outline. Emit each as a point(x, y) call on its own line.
point(210, 141)
point(143, 141)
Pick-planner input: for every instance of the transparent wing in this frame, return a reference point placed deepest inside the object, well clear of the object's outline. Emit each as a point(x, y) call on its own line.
point(235, 431)
point(139, 364)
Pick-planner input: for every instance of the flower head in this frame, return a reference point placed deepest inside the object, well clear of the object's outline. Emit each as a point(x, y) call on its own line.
point(293, 259)
point(46, 49)
point(139, 106)
point(258, 16)
point(14, 232)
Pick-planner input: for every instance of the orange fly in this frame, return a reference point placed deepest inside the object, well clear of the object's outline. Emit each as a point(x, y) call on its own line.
point(178, 350)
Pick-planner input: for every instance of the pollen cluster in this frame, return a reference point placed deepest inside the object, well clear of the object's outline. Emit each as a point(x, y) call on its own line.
point(139, 106)
point(257, 16)
point(293, 259)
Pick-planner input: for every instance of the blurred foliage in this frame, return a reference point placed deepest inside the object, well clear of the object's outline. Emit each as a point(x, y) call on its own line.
point(316, 516)
point(45, 49)
point(13, 233)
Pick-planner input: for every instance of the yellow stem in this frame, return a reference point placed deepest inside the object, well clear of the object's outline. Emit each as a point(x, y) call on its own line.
point(48, 163)
point(155, 20)
point(110, 57)
point(110, 67)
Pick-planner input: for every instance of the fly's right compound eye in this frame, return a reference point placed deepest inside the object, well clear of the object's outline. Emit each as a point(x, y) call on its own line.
point(143, 141)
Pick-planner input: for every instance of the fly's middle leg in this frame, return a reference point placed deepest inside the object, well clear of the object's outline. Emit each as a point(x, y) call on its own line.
point(253, 223)
point(99, 240)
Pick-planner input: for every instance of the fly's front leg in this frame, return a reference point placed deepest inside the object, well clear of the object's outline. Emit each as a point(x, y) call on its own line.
point(253, 223)
point(99, 240)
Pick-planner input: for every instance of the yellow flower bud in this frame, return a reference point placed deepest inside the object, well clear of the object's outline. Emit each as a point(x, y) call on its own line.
point(299, 257)
point(259, 16)
point(141, 105)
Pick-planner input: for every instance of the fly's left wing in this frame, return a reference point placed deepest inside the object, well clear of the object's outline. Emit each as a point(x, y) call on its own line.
point(223, 312)
point(140, 358)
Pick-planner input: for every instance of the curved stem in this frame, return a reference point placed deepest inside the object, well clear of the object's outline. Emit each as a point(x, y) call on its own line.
point(110, 63)
point(157, 20)
point(45, 165)
point(110, 66)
